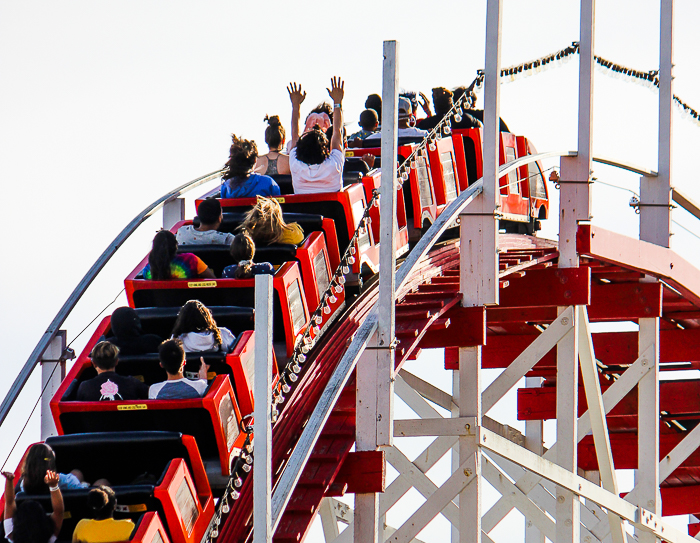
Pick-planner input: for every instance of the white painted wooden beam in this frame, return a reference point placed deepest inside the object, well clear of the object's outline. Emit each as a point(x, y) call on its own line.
point(612, 396)
point(601, 438)
point(526, 360)
point(262, 423)
point(638, 516)
point(436, 503)
point(462, 426)
point(527, 507)
point(568, 507)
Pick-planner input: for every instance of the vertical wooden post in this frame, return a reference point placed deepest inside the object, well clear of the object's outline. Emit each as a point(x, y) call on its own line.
point(262, 471)
point(375, 369)
point(470, 406)
point(575, 193)
point(173, 212)
point(387, 251)
point(647, 475)
point(655, 192)
point(479, 225)
point(534, 442)
point(53, 371)
point(568, 526)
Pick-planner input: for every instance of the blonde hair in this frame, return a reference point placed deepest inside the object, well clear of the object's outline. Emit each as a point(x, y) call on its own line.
point(264, 222)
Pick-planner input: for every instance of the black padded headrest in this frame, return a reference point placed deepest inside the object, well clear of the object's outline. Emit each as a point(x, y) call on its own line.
point(285, 183)
point(113, 439)
point(308, 221)
point(355, 164)
point(157, 313)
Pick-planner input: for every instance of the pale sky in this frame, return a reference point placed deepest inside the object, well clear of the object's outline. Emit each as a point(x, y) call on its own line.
point(105, 106)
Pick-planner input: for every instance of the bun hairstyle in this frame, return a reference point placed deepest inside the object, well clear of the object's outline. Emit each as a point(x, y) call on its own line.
point(274, 133)
point(102, 501)
point(242, 157)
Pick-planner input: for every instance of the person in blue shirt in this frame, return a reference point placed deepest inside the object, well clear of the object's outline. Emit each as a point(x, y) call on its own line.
point(238, 180)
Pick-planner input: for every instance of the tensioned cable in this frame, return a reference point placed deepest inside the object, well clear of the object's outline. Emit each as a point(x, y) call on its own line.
point(41, 394)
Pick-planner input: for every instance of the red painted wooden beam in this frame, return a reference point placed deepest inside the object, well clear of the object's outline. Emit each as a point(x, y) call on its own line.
point(676, 346)
point(641, 256)
point(548, 287)
point(624, 449)
point(467, 328)
point(677, 398)
point(361, 472)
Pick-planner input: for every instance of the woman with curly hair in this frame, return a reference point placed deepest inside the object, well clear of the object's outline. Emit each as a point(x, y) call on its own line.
point(164, 263)
point(238, 180)
point(275, 161)
point(197, 330)
point(316, 164)
point(265, 224)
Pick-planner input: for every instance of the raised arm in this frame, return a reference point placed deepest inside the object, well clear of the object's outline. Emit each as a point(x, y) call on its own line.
point(10, 506)
point(51, 479)
point(336, 92)
point(296, 96)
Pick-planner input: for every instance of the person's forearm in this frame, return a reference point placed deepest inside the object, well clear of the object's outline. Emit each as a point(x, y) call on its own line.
point(57, 506)
point(337, 139)
point(9, 498)
point(295, 125)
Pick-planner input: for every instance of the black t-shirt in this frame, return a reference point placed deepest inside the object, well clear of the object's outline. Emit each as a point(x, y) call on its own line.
point(479, 114)
point(111, 386)
point(431, 122)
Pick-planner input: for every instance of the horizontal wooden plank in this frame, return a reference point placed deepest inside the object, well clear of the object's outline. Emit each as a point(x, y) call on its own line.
point(548, 287)
point(467, 328)
point(361, 472)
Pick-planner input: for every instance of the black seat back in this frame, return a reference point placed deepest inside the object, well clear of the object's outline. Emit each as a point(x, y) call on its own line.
point(284, 182)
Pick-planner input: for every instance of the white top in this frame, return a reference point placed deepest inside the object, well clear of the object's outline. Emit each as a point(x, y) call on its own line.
point(177, 389)
point(324, 177)
point(9, 527)
point(410, 132)
point(195, 342)
point(187, 235)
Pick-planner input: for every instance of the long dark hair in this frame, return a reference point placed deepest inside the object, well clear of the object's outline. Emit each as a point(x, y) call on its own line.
point(102, 501)
point(313, 147)
point(194, 316)
point(242, 157)
point(30, 523)
point(162, 253)
point(243, 251)
point(39, 459)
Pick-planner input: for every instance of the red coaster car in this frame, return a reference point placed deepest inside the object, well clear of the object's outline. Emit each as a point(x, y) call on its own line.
point(158, 472)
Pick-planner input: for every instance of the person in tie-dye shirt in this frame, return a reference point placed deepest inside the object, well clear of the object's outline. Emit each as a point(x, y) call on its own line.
point(164, 263)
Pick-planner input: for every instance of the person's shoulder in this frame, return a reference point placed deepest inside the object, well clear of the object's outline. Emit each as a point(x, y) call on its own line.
point(154, 389)
point(200, 385)
point(263, 268)
point(229, 271)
